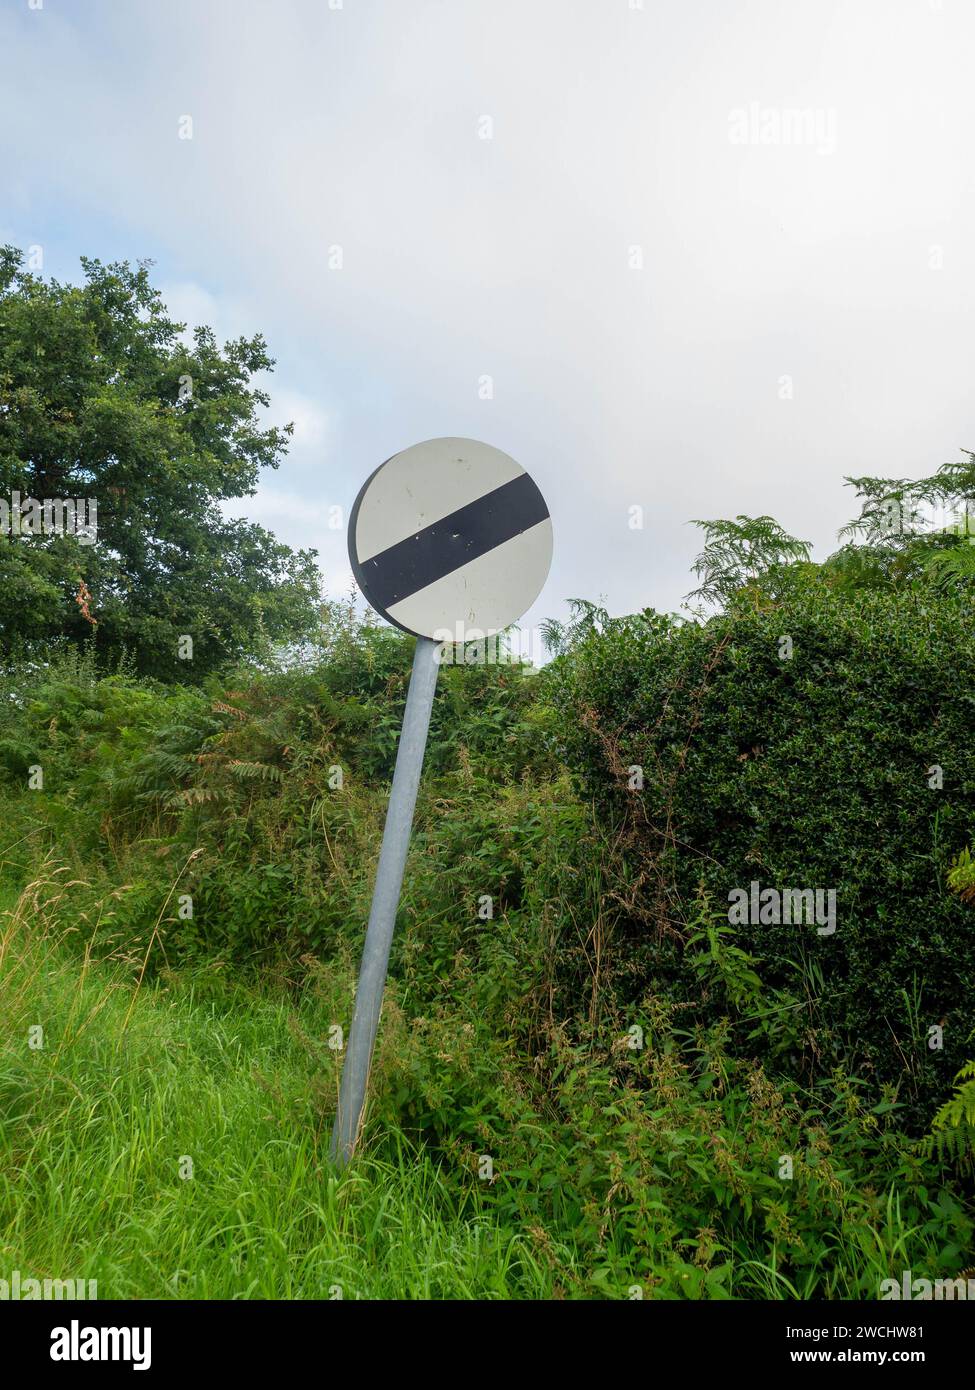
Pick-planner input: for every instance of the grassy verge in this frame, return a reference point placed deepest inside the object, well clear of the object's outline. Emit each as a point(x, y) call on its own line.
point(169, 1140)
point(126, 1093)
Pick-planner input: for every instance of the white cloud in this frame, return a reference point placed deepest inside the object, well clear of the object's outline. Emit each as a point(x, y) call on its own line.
point(311, 422)
point(462, 257)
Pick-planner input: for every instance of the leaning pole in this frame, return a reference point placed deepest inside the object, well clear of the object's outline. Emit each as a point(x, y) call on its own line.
point(451, 541)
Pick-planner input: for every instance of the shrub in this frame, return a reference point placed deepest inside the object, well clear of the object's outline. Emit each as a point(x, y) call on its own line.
point(815, 769)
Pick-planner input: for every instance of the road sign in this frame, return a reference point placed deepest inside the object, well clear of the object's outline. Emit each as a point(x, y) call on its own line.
point(449, 540)
point(451, 532)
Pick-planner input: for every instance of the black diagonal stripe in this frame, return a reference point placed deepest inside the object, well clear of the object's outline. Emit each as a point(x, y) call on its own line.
point(453, 541)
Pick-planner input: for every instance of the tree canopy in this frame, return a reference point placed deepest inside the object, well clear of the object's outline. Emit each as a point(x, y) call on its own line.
point(103, 399)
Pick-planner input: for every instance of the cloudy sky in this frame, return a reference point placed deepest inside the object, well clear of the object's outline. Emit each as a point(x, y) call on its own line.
point(699, 258)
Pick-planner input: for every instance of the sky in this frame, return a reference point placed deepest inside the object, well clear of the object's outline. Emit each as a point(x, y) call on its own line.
point(679, 260)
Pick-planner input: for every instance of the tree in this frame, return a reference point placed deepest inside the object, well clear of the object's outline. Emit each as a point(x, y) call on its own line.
point(101, 398)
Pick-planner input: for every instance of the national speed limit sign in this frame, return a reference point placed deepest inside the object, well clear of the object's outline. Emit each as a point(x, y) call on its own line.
point(448, 536)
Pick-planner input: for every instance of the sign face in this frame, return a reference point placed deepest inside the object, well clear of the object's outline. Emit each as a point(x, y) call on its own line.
point(450, 537)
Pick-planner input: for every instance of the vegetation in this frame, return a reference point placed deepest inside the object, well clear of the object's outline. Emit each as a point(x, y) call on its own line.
point(639, 1122)
point(592, 1079)
point(101, 398)
point(821, 741)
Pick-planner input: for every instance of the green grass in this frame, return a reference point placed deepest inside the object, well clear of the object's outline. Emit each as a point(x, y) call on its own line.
point(99, 1122)
point(169, 1140)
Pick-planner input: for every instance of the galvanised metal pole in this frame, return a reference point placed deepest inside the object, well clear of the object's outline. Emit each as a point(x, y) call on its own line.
point(385, 899)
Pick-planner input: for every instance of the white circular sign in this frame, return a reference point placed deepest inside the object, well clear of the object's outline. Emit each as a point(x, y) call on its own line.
point(450, 538)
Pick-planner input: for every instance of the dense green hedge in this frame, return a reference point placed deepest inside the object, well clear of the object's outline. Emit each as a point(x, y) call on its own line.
point(802, 772)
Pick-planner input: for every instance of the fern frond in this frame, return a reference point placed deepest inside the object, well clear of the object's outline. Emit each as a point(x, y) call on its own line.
point(223, 708)
point(961, 876)
point(264, 771)
point(947, 568)
point(952, 1135)
point(191, 796)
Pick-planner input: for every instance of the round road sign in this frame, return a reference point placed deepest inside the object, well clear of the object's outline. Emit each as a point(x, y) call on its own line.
point(450, 538)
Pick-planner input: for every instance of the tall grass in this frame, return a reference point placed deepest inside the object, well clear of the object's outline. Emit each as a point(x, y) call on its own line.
point(168, 1139)
point(131, 1092)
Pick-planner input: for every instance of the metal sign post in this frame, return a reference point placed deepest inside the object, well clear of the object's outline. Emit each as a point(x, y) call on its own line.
point(385, 898)
point(449, 540)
